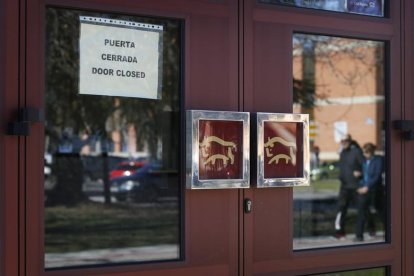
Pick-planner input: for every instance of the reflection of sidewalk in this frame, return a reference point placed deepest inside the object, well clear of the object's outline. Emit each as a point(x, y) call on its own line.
point(108, 256)
point(310, 195)
point(330, 241)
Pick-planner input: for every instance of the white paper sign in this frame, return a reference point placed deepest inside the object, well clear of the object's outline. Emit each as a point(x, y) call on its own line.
point(120, 58)
point(340, 130)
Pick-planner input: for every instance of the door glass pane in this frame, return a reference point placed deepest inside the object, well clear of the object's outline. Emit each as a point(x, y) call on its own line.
point(112, 139)
point(381, 271)
point(339, 82)
point(365, 7)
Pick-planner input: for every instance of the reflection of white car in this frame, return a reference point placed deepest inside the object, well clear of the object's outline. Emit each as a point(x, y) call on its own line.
point(47, 170)
point(48, 164)
point(326, 171)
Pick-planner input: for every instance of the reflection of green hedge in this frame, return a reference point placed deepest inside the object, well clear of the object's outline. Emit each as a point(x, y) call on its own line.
point(363, 272)
point(96, 226)
point(318, 185)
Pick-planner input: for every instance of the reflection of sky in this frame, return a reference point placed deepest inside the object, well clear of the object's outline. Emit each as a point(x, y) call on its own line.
point(283, 132)
point(374, 7)
point(332, 5)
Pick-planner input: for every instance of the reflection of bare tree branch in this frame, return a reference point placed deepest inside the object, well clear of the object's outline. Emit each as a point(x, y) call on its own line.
point(362, 59)
point(86, 116)
point(64, 106)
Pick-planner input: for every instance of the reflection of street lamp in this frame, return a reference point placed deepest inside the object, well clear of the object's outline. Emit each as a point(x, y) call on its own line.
point(308, 76)
point(106, 184)
point(114, 125)
point(165, 138)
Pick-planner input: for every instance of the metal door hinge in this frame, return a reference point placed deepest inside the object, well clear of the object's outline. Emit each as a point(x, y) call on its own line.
point(407, 128)
point(26, 116)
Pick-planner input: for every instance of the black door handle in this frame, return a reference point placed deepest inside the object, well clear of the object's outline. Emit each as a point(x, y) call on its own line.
point(26, 116)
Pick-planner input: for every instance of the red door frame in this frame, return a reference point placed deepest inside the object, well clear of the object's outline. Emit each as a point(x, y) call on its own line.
point(238, 83)
point(407, 56)
point(9, 93)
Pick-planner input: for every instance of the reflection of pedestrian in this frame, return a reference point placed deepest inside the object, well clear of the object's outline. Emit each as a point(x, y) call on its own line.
point(66, 141)
point(350, 165)
point(352, 141)
point(71, 143)
point(370, 191)
point(314, 159)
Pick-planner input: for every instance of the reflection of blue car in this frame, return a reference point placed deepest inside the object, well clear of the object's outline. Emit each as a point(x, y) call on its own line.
point(147, 184)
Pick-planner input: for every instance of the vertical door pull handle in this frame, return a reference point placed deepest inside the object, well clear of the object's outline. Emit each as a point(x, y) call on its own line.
point(27, 115)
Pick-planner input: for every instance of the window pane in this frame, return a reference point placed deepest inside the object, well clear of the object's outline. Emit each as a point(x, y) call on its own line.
point(365, 7)
point(362, 272)
point(112, 163)
point(339, 82)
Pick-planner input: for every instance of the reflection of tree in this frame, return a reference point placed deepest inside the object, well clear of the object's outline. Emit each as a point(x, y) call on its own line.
point(362, 57)
point(304, 87)
point(332, 76)
point(64, 107)
point(101, 118)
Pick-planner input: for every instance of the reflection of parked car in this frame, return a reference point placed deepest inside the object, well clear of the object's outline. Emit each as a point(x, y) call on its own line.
point(149, 183)
point(126, 168)
point(50, 180)
point(94, 165)
point(326, 171)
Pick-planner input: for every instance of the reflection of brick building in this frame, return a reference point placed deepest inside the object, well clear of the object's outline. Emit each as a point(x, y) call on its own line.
point(348, 82)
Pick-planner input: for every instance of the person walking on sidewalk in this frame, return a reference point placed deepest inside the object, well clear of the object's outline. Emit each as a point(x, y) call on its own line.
point(350, 166)
point(370, 192)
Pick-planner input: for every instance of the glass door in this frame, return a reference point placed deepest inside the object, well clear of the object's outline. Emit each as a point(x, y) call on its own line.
point(107, 167)
point(322, 62)
point(101, 183)
point(112, 152)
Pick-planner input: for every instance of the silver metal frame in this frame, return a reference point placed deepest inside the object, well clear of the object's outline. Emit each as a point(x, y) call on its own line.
point(192, 156)
point(263, 182)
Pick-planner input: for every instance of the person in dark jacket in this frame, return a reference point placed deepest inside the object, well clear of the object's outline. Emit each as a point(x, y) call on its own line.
point(350, 166)
point(370, 191)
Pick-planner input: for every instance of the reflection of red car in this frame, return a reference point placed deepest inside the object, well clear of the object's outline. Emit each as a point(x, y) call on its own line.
point(126, 168)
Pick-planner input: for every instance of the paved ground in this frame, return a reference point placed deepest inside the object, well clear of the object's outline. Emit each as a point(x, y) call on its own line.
point(108, 256)
point(330, 241)
point(169, 252)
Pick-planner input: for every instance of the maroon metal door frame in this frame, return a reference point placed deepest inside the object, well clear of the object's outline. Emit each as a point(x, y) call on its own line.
point(408, 146)
point(234, 67)
point(10, 87)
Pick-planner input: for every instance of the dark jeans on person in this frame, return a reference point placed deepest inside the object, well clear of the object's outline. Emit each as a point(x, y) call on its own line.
point(345, 198)
point(364, 214)
point(369, 205)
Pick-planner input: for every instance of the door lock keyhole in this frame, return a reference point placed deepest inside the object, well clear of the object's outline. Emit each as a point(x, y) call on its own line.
point(247, 205)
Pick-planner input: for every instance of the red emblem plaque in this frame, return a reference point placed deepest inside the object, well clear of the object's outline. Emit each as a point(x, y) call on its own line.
point(220, 149)
point(282, 149)
point(217, 149)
